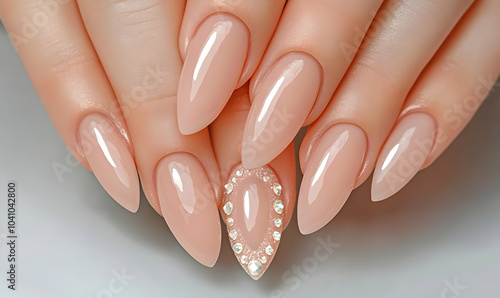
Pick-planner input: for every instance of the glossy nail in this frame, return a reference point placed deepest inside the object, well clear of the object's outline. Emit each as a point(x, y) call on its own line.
point(281, 105)
point(330, 176)
point(187, 203)
point(110, 160)
point(404, 153)
point(211, 71)
point(253, 212)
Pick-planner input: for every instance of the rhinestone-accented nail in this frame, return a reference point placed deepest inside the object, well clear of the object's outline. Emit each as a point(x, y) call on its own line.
point(254, 213)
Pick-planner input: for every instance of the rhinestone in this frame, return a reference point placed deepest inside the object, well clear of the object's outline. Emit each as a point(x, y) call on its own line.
point(230, 221)
point(228, 208)
point(278, 207)
point(276, 235)
point(237, 248)
point(254, 267)
point(269, 250)
point(263, 259)
point(233, 234)
point(229, 188)
point(277, 188)
point(266, 178)
point(234, 179)
point(244, 259)
point(239, 173)
point(277, 222)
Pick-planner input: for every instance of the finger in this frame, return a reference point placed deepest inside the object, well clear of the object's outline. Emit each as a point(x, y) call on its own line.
point(137, 44)
point(68, 77)
point(443, 100)
point(340, 149)
point(257, 203)
point(303, 65)
point(222, 43)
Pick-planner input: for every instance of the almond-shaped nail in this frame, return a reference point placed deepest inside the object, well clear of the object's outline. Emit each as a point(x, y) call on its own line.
point(110, 160)
point(330, 176)
point(404, 153)
point(188, 205)
point(211, 71)
point(281, 105)
point(254, 213)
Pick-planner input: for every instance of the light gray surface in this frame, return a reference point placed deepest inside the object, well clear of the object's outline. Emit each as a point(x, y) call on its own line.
point(442, 227)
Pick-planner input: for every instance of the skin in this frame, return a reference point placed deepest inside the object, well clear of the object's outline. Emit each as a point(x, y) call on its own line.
point(87, 56)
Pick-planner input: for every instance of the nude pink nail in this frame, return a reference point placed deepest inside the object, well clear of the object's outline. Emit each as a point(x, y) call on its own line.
point(330, 176)
point(403, 154)
point(254, 213)
point(281, 105)
point(188, 205)
point(211, 71)
point(110, 160)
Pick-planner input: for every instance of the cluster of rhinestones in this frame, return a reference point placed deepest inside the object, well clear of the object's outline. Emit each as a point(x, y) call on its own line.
point(253, 261)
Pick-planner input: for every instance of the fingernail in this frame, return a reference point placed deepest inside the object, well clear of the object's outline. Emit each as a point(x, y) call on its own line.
point(187, 203)
point(330, 176)
point(211, 71)
point(404, 153)
point(110, 160)
point(253, 212)
point(280, 108)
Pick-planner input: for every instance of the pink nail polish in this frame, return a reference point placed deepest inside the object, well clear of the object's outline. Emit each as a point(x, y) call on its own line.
point(403, 154)
point(211, 71)
point(187, 203)
point(281, 105)
point(110, 160)
point(330, 176)
point(253, 212)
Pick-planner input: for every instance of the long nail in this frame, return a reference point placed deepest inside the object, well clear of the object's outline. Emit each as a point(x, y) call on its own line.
point(330, 176)
point(253, 212)
point(211, 71)
point(404, 153)
point(187, 203)
point(110, 160)
point(281, 105)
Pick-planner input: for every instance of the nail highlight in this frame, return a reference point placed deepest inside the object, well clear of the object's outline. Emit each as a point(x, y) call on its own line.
point(188, 205)
point(110, 160)
point(403, 154)
point(254, 213)
point(211, 71)
point(281, 105)
point(330, 176)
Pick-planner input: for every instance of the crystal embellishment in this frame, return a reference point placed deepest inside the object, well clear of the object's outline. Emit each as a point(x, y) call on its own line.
point(278, 206)
point(254, 267)
point(269, 250)
point(230, 221)
point(277, 189)
point(228, 208)
point(233, 234)
point(229, 188)
point(276, 235)
point(263, 259)
point(239, 173)
point(244, 259)
point(277, 222)
point(237, 248)
point(266, 178)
